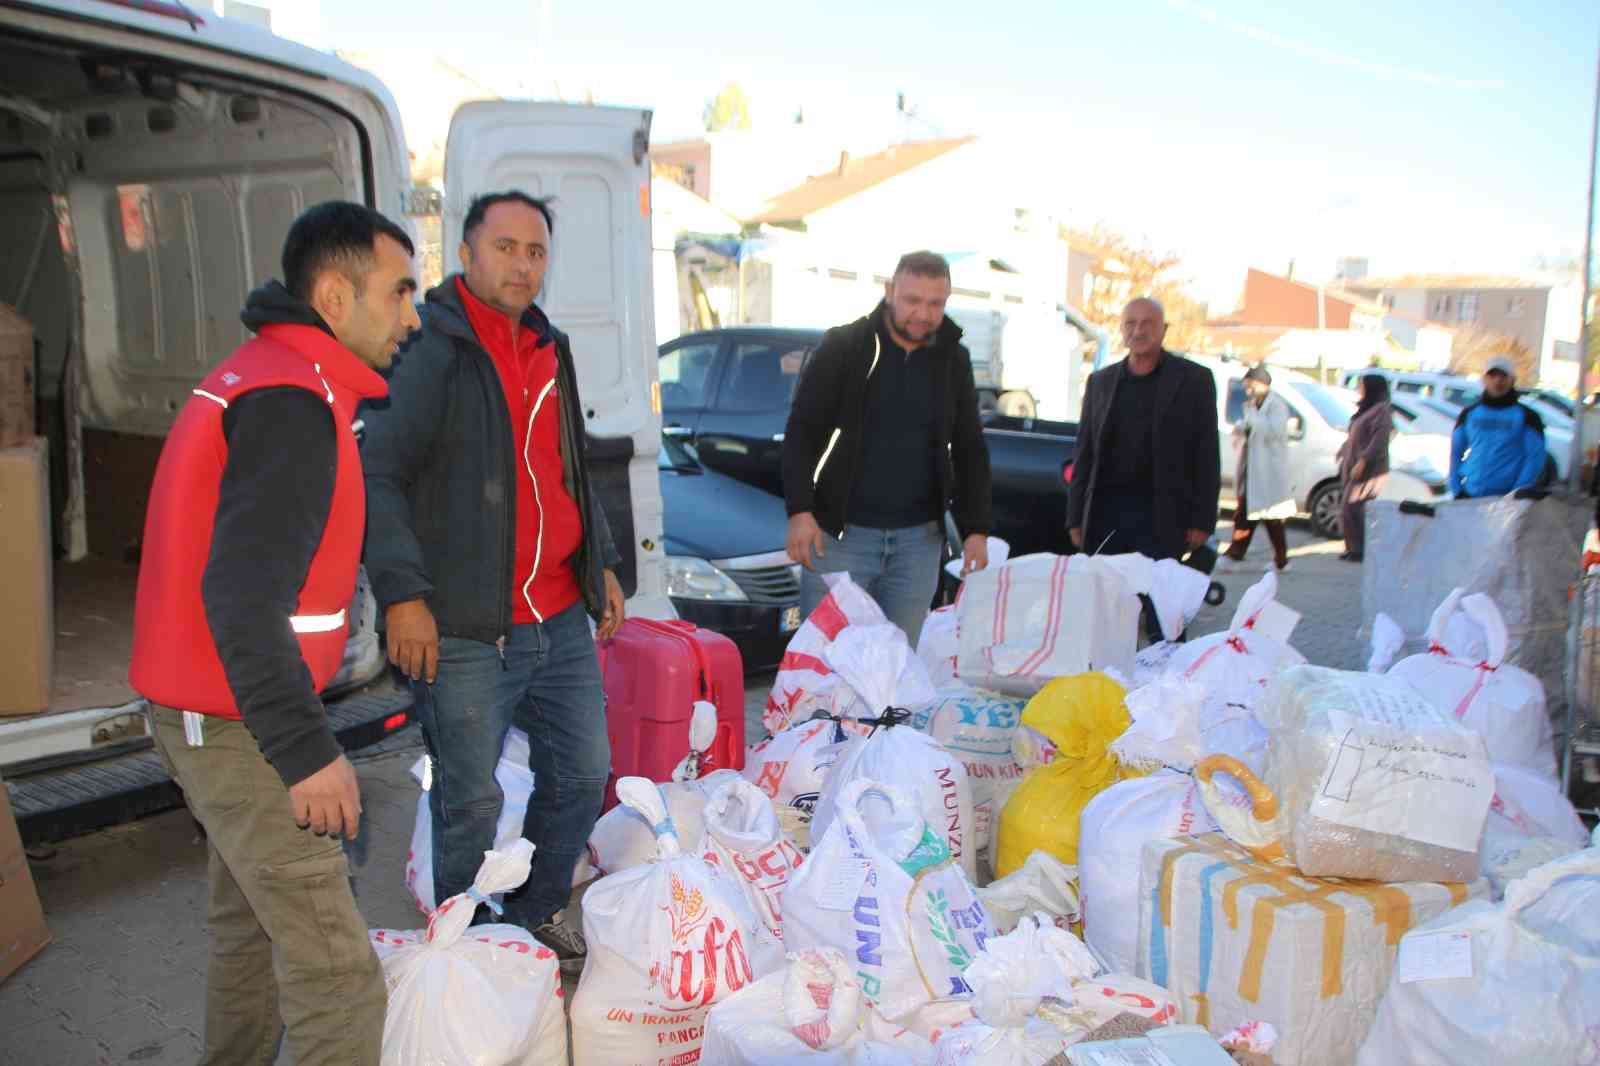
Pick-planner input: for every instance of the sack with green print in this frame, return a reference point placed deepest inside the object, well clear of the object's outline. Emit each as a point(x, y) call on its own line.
point(881, 886)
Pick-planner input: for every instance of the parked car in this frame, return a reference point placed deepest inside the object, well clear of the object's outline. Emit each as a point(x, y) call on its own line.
point(726, 392)
point(727, 569)
point(1317, 424)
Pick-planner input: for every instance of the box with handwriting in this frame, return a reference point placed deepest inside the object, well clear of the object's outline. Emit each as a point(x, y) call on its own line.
point(1236, 939)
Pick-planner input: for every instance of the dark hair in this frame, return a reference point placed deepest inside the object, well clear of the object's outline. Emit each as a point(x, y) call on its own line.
point(923, 264)
point(336, 235)
point(1259, 373)
point(1374, 390)
point(481, 204)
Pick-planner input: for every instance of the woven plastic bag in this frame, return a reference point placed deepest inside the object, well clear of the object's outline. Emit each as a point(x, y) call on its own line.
point(666, 941)
point(881, 886)
point(1465, 673)
point(869, 660)
point(812, 1013)
point(485, 995)
point(744, 840)
point(1488, 984)
point(807, 685)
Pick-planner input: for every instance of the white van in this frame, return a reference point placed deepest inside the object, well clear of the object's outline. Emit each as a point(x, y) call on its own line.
point(151, 161)
point(1317, 427)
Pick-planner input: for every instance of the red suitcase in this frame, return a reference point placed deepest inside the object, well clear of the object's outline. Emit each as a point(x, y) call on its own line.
point(653, 673)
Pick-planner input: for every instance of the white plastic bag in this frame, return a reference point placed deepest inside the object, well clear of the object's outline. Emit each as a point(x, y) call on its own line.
point(792, 766)
point(978, 728)
point(869, 660)
point(1502, 702)
point(810, 1014)
point(1115, 826)
point(1530, 823)
point(744, 841)
point(622, 839)
point(515, 779)
point(882, 887)
point(1234, 666)
point(1387, 640)
point(1043, 884)
point(702, 732)
point(1489, 984)
point(937, 647)
point(488, 995)
point(807, 685)
point(666, 941)
point(1011, 979)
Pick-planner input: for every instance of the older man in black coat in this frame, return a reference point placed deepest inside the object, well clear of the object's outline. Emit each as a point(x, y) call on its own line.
point(1148, 467)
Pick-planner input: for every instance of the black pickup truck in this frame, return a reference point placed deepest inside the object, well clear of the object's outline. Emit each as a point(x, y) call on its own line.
point(727, 392)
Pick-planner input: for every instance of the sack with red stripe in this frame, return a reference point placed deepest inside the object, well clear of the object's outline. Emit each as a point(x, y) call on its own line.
point(792, 766)
point(1233, 667)
point(744, 840)
point(1044, 616)
point(806, 685)
point(1465, 674)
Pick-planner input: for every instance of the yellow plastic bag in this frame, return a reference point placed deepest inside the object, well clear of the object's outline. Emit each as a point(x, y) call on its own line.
point(1081, 715)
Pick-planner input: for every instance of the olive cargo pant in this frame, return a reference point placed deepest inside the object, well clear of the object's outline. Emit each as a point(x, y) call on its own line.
point(285, 932)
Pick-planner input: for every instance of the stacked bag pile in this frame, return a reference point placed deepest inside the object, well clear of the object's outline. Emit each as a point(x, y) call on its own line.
point(1244, 843)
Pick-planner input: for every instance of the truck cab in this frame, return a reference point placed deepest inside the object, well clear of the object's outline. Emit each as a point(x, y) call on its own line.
point(151, 162)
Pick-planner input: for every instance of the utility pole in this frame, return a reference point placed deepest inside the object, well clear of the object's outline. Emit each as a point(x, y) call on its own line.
point(1575, 462)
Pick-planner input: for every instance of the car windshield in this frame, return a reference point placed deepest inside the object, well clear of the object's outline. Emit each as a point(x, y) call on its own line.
point(1334, 409)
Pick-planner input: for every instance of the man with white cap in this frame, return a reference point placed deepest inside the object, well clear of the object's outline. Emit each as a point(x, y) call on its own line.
point(1498, 443)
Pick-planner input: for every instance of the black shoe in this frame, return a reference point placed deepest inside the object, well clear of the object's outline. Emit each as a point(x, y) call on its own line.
point(1351, 557)
point(565, 939)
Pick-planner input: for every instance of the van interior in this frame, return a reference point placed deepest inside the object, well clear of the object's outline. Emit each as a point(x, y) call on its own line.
point(138, 202)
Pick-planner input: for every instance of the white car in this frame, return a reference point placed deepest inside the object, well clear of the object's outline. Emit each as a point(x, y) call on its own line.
point(1317, 427)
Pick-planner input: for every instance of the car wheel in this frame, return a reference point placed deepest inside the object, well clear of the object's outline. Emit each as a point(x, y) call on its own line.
point(1324, 510)
point(1016, 404)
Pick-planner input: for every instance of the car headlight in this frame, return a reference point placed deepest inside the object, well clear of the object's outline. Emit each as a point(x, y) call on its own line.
point(691, 578)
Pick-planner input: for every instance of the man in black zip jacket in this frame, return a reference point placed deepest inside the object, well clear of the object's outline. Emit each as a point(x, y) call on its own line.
point(488, 555)
point(883, 435)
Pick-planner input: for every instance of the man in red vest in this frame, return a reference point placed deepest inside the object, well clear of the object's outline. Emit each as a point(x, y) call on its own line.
point(489, 555)
point(251, 545)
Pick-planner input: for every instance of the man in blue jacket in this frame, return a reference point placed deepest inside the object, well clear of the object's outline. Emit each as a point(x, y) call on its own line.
point(1498, 443)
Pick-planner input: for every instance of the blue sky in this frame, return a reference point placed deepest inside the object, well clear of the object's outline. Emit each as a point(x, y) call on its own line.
point(1425, 134)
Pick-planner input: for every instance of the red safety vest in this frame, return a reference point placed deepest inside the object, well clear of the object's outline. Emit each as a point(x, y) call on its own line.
point(175, 659)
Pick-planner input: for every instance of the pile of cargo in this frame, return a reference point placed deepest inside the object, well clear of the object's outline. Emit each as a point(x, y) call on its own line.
point(1031, 841)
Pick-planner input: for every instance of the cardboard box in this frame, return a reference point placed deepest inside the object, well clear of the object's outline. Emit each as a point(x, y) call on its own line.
point(16, 378)
point(1235, 940)
point(23, 933)
point(27, 625)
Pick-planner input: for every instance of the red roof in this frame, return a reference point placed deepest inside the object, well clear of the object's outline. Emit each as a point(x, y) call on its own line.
point(853, 176)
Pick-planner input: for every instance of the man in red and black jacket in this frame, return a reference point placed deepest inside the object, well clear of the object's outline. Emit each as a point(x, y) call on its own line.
point(489, 554)
point(251, 546)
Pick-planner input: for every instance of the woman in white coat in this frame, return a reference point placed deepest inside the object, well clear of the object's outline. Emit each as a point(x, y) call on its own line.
point(1261, 437)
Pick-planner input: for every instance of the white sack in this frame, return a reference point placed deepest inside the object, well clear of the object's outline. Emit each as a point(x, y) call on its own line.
point(882, 887)
point(515, 779)
point(744, 841)
point(869, 660)
point(666, 941)
point(622, 839)
point(938, 645)
point(488, 995)
point(1489, 984)
point(1115, 826)
point(807, 685)
point(978, 728)
point(791, 766)
point(1502, 702)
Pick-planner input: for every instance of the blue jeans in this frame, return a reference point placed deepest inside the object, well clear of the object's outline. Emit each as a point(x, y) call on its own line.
point(897, 567)
point(548, 685)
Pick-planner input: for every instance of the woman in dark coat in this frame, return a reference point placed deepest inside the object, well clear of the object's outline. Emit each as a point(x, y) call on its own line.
point(1364, 461)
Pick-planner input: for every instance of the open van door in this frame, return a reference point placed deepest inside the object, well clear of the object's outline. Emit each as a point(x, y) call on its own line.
point(593, 164)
